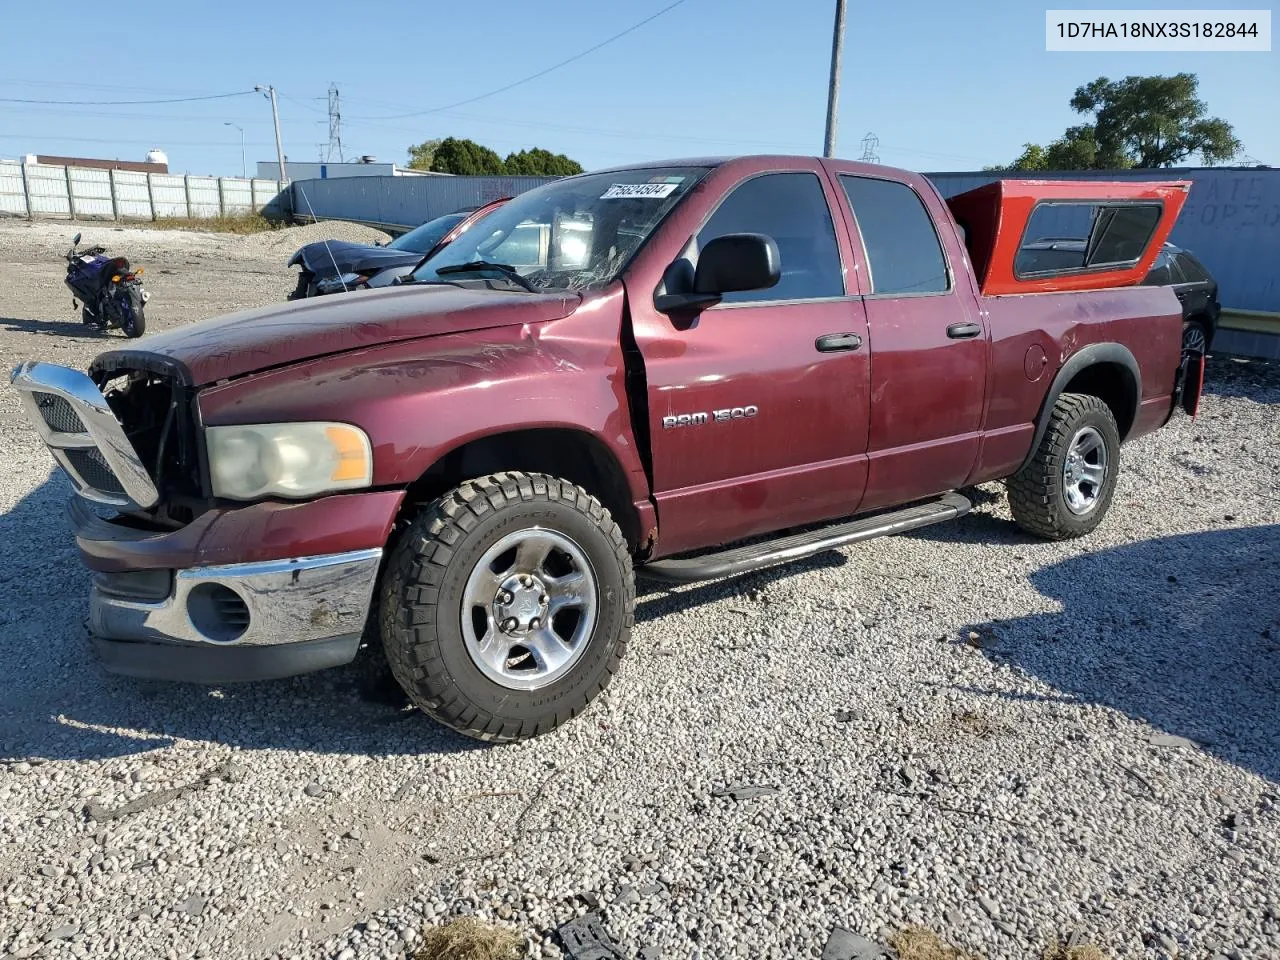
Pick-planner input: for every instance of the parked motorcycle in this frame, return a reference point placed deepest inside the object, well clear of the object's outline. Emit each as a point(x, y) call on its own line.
point(110, 289)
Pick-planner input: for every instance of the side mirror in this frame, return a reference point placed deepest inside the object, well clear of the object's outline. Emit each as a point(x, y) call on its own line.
point(737, 261)
point(75, 240)
point(733, 262)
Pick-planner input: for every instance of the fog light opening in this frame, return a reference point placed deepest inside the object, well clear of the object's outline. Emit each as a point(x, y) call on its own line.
point(218, 612)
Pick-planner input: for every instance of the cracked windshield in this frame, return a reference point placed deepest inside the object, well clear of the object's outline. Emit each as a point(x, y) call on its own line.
point(574, 234)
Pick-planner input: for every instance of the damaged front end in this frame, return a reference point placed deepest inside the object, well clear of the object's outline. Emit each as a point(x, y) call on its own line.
point(186, 588)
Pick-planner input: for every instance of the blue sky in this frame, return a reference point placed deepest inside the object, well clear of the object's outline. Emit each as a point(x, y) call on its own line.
point(945, 86)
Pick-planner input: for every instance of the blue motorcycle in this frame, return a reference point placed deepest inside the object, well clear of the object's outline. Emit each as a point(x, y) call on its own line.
point(110, 289)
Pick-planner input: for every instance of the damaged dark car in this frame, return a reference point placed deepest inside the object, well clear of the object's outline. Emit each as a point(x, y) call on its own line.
point(336, 266)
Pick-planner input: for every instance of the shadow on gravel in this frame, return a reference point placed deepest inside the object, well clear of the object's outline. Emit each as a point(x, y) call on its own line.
point(1182, 632)
point(71, 327)
point(1250, 378)
point(56, 702)
point(655, 600)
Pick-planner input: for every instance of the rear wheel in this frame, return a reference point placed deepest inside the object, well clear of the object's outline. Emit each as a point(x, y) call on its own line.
point(135, 321)
point(507, 604)
point(1195, 337)
point(1066, 489)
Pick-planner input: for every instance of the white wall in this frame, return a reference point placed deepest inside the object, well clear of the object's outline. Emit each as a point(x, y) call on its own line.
point(80, 193)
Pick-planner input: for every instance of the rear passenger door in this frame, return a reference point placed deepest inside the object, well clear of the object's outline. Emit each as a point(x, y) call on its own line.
point(929, 345)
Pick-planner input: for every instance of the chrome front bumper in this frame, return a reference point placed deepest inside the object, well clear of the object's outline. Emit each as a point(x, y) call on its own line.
point(239, 604)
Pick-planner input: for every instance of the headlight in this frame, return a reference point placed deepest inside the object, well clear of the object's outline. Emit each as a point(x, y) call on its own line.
point(346, 281)
point(288, 459)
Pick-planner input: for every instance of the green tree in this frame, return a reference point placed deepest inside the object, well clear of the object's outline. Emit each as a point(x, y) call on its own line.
point(1153, 121)
point(466, 158)
point(540, 163)
point(421, 156)
point(1137, 122)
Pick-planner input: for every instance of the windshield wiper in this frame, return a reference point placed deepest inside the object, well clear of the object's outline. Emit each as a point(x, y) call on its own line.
point(474, 266)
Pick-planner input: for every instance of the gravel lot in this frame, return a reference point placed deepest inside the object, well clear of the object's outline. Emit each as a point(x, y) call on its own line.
point(1004, 740)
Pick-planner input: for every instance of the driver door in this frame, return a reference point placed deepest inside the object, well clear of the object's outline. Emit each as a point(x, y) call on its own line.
point(758, 406)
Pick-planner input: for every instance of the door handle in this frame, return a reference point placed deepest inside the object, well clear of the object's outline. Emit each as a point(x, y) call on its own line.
point(832, 342)
point(963, 331)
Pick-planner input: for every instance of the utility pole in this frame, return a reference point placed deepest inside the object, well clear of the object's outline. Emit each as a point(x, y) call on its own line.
point(244, 168)
point(283, 177)
point(833, 94)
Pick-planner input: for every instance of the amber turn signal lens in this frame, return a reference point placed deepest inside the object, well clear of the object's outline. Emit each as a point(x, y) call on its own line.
point(350, 446)
point(116, 278)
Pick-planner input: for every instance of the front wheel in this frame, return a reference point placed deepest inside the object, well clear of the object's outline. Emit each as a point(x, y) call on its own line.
point(507, 604)
point(1066, 489)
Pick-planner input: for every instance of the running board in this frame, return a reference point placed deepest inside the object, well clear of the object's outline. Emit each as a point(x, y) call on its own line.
point(737, 560)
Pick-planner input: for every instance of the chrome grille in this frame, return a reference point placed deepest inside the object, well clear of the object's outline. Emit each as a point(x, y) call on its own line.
point(93, 469)
point(57, 413)
point(82, 432)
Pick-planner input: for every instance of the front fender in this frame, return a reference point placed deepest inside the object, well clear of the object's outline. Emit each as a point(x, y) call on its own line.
point(420, 399)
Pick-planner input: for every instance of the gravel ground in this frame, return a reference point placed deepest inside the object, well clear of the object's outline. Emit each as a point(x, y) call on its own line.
point(1002, 739)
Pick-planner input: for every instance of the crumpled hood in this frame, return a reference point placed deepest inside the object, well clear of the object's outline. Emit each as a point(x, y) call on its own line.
point(241, 343)
point(319, 258)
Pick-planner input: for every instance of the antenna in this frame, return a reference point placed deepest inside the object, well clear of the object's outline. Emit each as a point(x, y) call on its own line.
point(869, 144)
point(335, 125)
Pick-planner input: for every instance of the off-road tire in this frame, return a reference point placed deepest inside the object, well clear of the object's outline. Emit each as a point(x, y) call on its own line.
point(1036, 491)
point(420, 604)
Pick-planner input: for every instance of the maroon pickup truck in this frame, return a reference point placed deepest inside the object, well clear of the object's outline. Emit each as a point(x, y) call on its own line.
point(694, 369)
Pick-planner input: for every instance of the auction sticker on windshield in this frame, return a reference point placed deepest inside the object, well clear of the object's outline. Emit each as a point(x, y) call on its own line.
point(629, 191)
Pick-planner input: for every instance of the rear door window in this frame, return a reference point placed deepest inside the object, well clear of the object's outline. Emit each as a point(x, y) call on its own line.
point(903, 250)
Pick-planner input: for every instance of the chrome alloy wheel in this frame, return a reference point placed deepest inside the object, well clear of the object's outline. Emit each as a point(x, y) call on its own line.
point(529, 608)
point(1084, 471)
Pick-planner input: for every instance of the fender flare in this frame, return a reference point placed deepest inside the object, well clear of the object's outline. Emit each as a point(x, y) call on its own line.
point(1088, 356)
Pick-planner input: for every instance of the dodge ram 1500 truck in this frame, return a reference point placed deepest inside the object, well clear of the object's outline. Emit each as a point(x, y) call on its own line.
point(714, 365)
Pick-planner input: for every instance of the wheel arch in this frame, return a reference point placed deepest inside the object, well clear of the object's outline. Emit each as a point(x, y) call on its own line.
point(1107, 371)
point(570, 453)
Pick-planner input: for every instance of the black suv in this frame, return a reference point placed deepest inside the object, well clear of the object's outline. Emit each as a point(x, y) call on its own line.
point(1198, 291)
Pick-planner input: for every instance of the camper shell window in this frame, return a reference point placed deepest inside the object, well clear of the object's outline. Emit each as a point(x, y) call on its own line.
point(1070, 236)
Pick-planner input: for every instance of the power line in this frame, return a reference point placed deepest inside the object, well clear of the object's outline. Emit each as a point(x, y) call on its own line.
point(94, 85)
point(122, 103)
point(301, 103)
point(540, 73)
point(128, 141)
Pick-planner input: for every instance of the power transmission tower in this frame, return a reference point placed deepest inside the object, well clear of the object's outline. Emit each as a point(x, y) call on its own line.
point(869, 144)
point(335, 125)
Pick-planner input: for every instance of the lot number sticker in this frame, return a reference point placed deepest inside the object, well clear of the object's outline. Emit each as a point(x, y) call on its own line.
point(629, 191)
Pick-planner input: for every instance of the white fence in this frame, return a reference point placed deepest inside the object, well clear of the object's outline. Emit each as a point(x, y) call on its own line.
point(80, 193)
